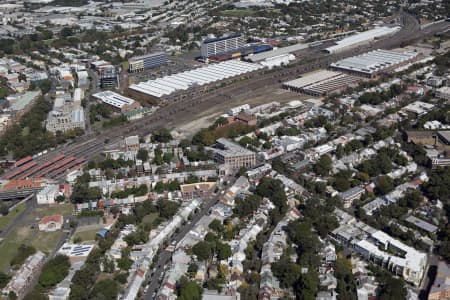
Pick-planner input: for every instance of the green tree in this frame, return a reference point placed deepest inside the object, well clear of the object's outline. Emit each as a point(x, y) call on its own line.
point(384, 185)
point(323, 165)
point(54, 271)
point(189, 290)
point(216, 225)
point(106, 289)
point(223, 251)
point(393, 289)
point(342, 184)
point(202, 250)
point(142, 154)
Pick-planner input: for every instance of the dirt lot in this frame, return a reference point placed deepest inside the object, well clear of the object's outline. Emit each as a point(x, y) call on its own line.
point(207, 117)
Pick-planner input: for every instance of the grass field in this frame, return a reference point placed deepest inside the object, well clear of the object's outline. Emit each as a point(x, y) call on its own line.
point(57, 209)
point(24, 234)
point(5, 220)
point(42, 241)
point(87, 235)
point(239, 13)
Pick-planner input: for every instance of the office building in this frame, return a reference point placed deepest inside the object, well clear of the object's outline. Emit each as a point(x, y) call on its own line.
point(67, 114)
point(146, 62)
point(109, 76)
point(217, 46)
point(233, 156)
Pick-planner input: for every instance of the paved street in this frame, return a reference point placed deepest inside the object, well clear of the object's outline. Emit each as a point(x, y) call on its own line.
point(164, 256)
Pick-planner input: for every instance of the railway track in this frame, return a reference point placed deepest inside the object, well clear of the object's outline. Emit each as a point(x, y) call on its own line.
point(90, 145)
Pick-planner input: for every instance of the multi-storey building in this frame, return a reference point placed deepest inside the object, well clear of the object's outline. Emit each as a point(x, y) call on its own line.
point(233, 156)
point(201, 190)
point(380, 248)
point(217, 46)
point(66, 114)
point(145, 62)
point(109, 76)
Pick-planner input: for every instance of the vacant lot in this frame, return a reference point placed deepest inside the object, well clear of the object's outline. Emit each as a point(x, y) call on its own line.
point(86, 235)
point(27, 233)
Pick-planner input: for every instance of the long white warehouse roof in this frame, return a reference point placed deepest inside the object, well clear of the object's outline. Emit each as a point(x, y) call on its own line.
point(204, 75)
point(365, 36)
point(373, 61)
point(277, 52)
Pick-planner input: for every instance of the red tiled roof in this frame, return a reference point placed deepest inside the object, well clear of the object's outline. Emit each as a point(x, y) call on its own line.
point(54, 218)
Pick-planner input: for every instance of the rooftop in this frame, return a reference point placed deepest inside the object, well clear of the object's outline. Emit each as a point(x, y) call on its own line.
point(197, 77)
point(374, 61)
point(113, 99)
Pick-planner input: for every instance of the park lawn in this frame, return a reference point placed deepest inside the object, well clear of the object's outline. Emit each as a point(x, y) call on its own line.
point(87, 235)
point(56, 209)
point(42, 241)
point(5, 220)
point(237, 13)
point(24, 234)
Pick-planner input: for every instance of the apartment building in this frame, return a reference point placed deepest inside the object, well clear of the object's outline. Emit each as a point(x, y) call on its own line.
point(221, 45)
point(380, 248)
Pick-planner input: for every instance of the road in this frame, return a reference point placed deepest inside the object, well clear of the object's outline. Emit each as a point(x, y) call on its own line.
point(177, 113)
point(165, 256)
point(30, 204)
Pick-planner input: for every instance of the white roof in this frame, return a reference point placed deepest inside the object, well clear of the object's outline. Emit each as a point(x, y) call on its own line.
point(373, 61)
point(113, 99)
point(312, 78)
point(200, 76)
point(277, 52)
point(362, 37)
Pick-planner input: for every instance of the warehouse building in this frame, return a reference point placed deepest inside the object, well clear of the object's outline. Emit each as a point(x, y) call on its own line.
point(279, 52)
point(321, 83)
point(179, 86)
point(372, 63)
point(118, 102)
point(146, 62)
point(217, 46)
point(361, 38)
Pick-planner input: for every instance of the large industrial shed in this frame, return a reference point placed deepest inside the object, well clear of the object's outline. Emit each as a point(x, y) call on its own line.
point(178, 86)
point(372, 63)
point(361, 38)
point(320, 83)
